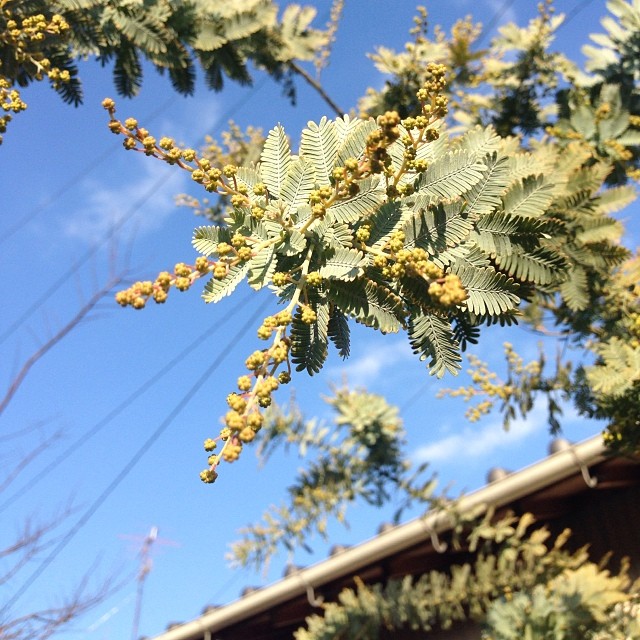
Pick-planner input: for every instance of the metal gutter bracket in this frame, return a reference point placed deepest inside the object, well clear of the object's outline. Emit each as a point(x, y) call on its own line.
point(438, 545)
point(311, 595)
point(561, 444)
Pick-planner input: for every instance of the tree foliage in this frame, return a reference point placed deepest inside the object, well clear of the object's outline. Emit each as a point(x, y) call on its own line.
point(402, 226)
point(41, 39)
point(521, 584)
point(478, 187)
point(394, 237)
point(591, 119)
point(361, 456)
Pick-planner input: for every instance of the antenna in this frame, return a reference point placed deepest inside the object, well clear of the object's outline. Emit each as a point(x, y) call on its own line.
point(146, 564)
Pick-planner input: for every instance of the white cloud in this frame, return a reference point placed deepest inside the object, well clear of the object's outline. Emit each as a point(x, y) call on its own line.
point(199, 116)
point(149, 197)
point(367, 369)
point(144, 188)
point(479, 442)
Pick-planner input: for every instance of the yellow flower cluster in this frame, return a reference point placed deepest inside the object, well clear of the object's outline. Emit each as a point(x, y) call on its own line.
point(10, 101)
point(603, 111)
point(378, 159)
point(138, 294)
point(420, 130)
point(434, 103)
point(320, 199)
point(220, 180)
point(244, 419)
point(271, 323)
point(485, 384)
point(618, 150)
point(400, 261)
point(448, 291)
point(612, 437)
point(23, 38)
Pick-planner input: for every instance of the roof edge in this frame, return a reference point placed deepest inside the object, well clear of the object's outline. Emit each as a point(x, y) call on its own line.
point(554, 468)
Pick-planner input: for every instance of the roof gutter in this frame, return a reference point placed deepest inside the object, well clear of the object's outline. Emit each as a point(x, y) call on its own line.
point(552, 469)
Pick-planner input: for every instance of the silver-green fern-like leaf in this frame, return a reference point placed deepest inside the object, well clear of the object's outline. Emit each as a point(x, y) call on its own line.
point(490, 292)
point(480, 142)
point(333, 236)
point(539, 266)
point(261, 268)
point(432, 337)
point(275, 160)
point(216, 289)
point(615, 199)
point(600, 229)
point(486, 196)
point(338, 332)
point(344, 264)
point(451, 175)
point(530, 198)
point(619, 369)
point(437, 228)
point(353, 136)
point(206, 239)
point(496, 234)
point(369, 197)
point(575, 289)
point(319, 144)
point(298, 184)
point(385, 220)
point(309, 341)
point(369, 303)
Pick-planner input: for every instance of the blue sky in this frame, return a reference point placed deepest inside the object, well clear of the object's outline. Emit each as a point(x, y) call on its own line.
point(66, 176)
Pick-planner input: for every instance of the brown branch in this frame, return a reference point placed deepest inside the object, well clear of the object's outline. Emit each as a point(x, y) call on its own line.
point(37, 355)
point(318, 87)
point(25, 461)
point(30, 542)
point(13, 435)
point(44, 623)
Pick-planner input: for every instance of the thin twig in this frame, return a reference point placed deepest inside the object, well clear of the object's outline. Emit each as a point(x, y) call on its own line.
point(318, 87)
point(37, 355)
point(22, 464)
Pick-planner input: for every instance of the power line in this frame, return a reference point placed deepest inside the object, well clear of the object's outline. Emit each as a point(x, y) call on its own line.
point(86, 256)
point(507, 4)
point(414, 397)
point(574, 12)
point(135, 458)
point(118, 224)
point(150, 382)
point(73, 182)
point(497, 16)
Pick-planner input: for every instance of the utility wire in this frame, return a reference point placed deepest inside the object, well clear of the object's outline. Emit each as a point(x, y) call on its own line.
point(414, 397)
point(488, 28)
point(145, 386)
point(574, 12)
point(87, 255)
point(73, 181)
point(497, 16)
point(135, 458)
point(119, 223)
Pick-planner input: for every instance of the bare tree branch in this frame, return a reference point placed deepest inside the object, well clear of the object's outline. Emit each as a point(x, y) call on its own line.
point(318, 88)
point(30, 541)
point(26, 460)
point(40, 625)
point(39, 353)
